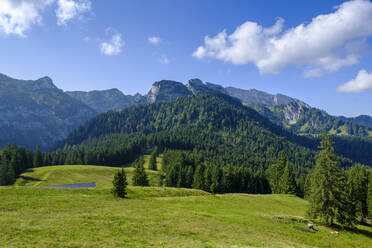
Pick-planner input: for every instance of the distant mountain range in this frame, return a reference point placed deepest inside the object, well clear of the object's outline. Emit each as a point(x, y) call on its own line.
point(37, 112)
point(364, 120)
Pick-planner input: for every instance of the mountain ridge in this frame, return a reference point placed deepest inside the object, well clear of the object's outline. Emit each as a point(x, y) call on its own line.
point(38, 112)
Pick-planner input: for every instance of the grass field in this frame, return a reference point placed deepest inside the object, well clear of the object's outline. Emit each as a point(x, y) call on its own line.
point(157, 217)
point(69, 174)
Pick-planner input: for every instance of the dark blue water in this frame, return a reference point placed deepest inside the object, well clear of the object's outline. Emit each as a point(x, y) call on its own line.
point(77, 185)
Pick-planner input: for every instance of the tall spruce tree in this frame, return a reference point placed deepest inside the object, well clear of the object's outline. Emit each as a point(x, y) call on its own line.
point(140, 176)
point(3, 171)
point(119, 184)
point(207, 179)
point(189, 176)
point(287, 182)
point(328, 197)
point(198, 182)
point(152, 160)
point(369, 198)
point(38, 157)
point(275, 172)
point(216, 180)
point(358, 189)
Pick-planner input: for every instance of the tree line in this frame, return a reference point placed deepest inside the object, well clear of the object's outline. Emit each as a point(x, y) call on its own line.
point(14, 160)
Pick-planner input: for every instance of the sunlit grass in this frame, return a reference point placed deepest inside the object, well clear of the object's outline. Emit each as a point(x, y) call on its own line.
point(159, 217)
point(70, 174)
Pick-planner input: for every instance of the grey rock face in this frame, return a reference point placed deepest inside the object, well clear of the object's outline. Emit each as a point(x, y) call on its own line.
point(166, 90)
point(293, 111)
point(37, 112)
point(197, 86)
point(105, 100)
point(256, 96)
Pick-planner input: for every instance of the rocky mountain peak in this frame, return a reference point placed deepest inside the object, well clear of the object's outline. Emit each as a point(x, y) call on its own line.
point(167, 90)
point(197, 86)
point(44, 83)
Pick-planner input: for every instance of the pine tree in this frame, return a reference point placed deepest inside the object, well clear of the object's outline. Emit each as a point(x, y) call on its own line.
point(369, 198)
point(207, 179)
point(119, 184)
point(228, 179)
point(275, 173)
point(3, 171)
point(198, 178)
point(216, 180)
point(152, 160)
point(189, 176)
point(287, 181)
point(328, 197)
point(38, 157)
point(140, 176)
point(358, 186)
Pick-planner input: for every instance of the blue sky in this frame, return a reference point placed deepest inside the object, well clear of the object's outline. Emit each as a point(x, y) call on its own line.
point(86, 45)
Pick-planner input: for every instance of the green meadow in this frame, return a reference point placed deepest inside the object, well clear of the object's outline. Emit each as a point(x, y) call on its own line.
point(69, 174)
point(33, 216)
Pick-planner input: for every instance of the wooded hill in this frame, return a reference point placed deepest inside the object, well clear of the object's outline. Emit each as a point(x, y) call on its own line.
point(217, 126)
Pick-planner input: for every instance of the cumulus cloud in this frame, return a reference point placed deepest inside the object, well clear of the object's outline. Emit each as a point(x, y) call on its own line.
point(154, 40)
point(69, 9)
point(328, 42)
point(312, 73)
point(17, 16)
point(362, 82)
point(113, 47)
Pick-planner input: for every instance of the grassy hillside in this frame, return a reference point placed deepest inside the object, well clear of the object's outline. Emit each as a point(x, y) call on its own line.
point(69, 174)
point(39, 217)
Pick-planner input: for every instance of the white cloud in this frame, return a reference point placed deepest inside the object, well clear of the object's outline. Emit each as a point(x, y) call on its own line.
point(362, 82)
point(312, 73)
point(154, 40)
point(69, 9)
point(17, 16)
point(327, 42)
point(164, 60)
point(112, 47)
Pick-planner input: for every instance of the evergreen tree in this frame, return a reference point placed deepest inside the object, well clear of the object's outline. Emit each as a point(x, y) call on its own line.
point(307, 186)
point(228, 180)
point(328, 199)
point(119, 184)
point(358, 186)
point(140, 176)
point(207, 179)
point(275, 173)
point(198, 178)
point(287, 181)
point(181, 180)
point(171, 177)
point(369, 198)
point(152, 161)
point(216, 180)
point(189, 176)
point(3, 172)
point(38, 157)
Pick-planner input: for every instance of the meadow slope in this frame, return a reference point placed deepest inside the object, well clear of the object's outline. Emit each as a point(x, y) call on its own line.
point(34, 216)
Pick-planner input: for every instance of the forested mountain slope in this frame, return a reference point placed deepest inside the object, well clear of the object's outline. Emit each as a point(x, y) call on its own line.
point(220, 127)
point(364, 120)
point(303, 119)
point(37, 112)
